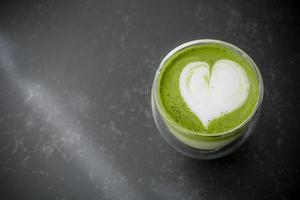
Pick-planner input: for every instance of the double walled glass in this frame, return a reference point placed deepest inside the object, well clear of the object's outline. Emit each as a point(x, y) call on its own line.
point(204, 145)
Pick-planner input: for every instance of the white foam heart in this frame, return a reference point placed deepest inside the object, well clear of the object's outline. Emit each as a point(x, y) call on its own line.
point(211, 93)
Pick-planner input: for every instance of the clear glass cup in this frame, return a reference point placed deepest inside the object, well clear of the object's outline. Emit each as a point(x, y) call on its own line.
point(207, 146)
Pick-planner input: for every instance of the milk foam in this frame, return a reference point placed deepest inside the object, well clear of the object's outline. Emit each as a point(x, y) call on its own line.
point(211, 93)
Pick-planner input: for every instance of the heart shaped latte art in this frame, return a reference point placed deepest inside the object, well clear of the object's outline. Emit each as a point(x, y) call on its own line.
point(211, 93)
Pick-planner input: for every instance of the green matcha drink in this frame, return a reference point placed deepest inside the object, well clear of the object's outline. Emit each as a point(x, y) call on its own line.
point(207, 92)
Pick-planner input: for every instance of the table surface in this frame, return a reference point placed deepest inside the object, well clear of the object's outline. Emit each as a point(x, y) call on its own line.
point(75, 116)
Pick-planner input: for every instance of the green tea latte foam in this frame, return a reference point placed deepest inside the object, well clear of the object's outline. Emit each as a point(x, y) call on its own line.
point(207, 92)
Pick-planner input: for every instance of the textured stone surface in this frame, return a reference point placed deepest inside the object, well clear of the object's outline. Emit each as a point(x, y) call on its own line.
point(75, 117)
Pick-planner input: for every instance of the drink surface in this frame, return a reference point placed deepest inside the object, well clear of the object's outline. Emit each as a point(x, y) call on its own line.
point(208, 88)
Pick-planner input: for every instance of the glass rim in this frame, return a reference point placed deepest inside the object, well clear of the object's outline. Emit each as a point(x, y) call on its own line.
point(174, 124)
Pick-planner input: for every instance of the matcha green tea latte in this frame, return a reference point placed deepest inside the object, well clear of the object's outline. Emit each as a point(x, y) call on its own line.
point(205, 97)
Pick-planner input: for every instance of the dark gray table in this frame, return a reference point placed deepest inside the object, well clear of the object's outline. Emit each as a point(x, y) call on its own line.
point(75, 116)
